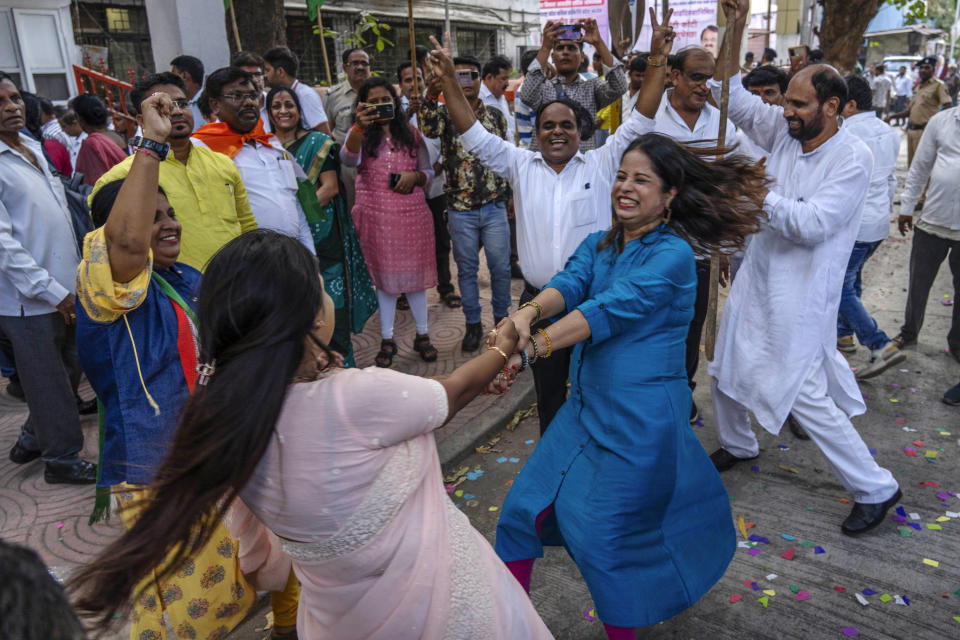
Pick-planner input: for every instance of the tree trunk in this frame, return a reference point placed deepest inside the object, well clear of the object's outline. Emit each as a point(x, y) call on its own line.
point(841, 31)
point(261, 23)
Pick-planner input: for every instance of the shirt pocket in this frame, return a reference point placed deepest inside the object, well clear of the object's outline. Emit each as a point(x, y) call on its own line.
point(583, 209)
point(287, 174)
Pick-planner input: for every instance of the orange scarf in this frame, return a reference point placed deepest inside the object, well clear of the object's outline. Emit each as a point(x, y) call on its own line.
point(222, 139)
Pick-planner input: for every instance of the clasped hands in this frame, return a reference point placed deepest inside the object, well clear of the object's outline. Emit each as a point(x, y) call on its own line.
point(512, 335)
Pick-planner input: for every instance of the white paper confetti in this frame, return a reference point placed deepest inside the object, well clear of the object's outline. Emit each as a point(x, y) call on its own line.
point(771, 577)
point(914, 516)
point(861, 599)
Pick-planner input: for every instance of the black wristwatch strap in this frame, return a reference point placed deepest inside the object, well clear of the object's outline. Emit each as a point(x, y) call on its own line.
point(159, 148)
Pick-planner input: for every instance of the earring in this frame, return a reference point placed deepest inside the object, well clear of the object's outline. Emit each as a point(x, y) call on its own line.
point(666, 214)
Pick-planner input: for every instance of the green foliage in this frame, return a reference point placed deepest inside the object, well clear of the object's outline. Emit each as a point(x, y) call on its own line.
point(368, 31)
point(916, 9)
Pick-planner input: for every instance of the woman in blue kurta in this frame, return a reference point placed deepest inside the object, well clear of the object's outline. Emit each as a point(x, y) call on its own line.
point(620, 478)
point(135, 341)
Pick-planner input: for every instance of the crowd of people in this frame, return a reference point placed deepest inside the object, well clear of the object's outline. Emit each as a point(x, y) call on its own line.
point(207, 275)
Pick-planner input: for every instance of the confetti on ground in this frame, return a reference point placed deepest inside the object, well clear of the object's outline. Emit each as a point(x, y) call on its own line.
point(788, 554)
point(754, 552)
point(943, 519)
point(591, 615)
point(769, 592)
point(915, 526)
point(449, 488)
point(914, 516)
point(806, 544)
point(943, 496)
point(473, 475)
point(771, 577)
point(528, 442)
point(803, 595)
point(493, 509)
point(840, 589)
point(886, 597)
point(755, 469)
point(783, 447)
point(458, 493)
point(894, 400)
point(869, 592)
point(910, 451)
point(468, 496)
point(735, 598)
point(918, 443)
point(818, 550)
point(932, 563)
point(764, 600)
point(934, 527)
point(901, 600)
point(787, 536)
point(742, 526)
point(795, 588)
point(904, 532)
point(873, 452)
point(756, 538)
point(790, 469)
point(514, 460)
point(861, 599)
point(501, 459)
point(850, 632)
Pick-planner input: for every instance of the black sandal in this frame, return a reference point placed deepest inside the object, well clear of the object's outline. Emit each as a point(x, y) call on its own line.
point(388, 349)
point(427, 351)
point(452, 300)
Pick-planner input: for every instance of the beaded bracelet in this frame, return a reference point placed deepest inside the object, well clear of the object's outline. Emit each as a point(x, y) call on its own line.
point(536, 350)
point(524, 360)
point(358, 128)
point(548, 341)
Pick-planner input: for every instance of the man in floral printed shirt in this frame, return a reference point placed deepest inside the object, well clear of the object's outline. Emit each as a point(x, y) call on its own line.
point(476, 200)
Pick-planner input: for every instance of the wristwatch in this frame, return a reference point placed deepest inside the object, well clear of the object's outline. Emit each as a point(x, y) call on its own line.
point(158, 148)
point(657, 60)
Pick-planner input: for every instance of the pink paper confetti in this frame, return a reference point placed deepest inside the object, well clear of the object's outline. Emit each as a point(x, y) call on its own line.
point(753, 552)
point(788, 554)
point(910, 451)
point(735, 597)
point(850, 632)
point(803, 595)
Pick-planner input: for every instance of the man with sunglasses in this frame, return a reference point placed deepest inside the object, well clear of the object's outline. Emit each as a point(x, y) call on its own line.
point(593, 94)
point(204, 187)
point(269, 173)
point(686, 116)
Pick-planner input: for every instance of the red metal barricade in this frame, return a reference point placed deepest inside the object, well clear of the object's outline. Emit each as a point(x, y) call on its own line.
point(113, 92)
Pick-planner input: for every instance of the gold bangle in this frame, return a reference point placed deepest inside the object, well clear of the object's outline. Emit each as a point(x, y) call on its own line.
point(535, 305)
point(548, 341)
point(494, 347)
point(657, 61)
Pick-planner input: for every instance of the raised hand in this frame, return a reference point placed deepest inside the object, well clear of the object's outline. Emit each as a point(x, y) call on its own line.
point(156, 111)
point(366, 115)
point(736, 10)
point(550, 32)
point(591, 32)
point(662, 36)
point(441, 60)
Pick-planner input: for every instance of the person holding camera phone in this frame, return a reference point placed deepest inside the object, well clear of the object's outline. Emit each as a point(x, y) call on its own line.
point(393, 222)
point(564, 42)
point(477, 200)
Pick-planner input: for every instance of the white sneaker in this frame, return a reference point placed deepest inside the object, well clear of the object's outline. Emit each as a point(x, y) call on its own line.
point(846, 344)
point(881, 360)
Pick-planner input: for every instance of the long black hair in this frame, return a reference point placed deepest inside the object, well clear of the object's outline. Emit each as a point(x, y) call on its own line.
point(257, 303)
point(400, 130)
point(719, 202)
point(293, 96)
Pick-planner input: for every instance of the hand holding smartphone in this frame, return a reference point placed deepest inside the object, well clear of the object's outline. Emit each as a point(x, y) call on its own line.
point(382, 111)
point(570, 32)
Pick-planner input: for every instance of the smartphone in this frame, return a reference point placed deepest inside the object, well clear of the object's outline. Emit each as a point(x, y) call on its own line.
point(394, 179)
point(384, 110)
point(466, 77)
point(570, 32)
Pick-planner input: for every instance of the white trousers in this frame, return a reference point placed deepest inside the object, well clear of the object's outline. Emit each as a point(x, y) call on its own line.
point(828, 428)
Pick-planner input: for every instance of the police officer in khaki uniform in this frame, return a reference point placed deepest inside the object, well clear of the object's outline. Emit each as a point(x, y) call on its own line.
point(930, 96)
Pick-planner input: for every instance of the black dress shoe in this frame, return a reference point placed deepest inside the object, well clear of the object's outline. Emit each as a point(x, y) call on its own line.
point(22, 455)
point(79, 472)
point(796, 429)
point(471, 340)
point(864, 517)
point(86, 407)
point(14, 388)
point(723, 459)
point(952, 395)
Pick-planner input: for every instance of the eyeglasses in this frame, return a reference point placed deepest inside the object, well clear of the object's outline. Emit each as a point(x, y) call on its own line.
point(257, 74)
point(239, 98)
point(358, 63)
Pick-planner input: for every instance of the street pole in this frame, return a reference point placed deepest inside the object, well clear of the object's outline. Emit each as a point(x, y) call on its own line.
point(769, 18)
point(413, 48)
point(446, 23)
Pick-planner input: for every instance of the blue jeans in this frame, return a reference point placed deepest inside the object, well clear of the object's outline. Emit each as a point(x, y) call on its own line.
point(853, 318)
point(467, 229)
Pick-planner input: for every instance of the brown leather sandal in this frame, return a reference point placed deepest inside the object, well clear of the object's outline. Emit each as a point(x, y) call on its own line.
point(388, 349)
point(422, 345)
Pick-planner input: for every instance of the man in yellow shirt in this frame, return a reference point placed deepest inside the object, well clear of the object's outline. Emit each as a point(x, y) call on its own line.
point(204, 187)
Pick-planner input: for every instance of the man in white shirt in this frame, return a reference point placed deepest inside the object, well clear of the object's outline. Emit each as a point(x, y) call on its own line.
point(253, 63)
point(190, 70)
point(686, 116)
point(496, 76)
point(881, 86)
point(903, 87)
point(776, 347)
point(937, 232)
point(561, 194)
point(38, 265)
point(280, 70)
point(861, 120)
point(269, 173)
point(635, 71)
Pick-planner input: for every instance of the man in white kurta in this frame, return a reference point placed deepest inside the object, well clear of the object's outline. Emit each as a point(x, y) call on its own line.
point(776, 349)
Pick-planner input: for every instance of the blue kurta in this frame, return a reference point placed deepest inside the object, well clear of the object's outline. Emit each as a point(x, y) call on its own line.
point(136, 438)
point(638, 504)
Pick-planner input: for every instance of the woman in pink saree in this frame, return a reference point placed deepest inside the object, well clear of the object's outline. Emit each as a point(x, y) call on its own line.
point(337, 470)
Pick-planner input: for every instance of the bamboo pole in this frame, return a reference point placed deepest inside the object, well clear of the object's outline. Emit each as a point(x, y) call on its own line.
point(413, 48)
point(236, 31)
point(323, 49)
point(710, 324)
